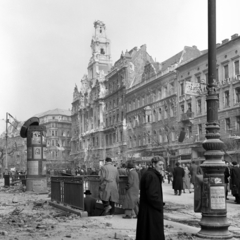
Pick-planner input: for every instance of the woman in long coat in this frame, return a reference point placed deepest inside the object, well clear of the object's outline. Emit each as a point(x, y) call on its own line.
point(150, 217)
point(186, 180)
point(132, 191)
point(178, 174)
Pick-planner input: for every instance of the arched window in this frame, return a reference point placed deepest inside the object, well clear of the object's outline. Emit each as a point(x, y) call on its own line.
point(160, 137)
point(143, 101)
point(144, 139)
point(139, 140)
point(154, 115)
point(159, 114)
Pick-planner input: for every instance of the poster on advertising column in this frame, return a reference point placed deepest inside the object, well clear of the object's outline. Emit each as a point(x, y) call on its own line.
point(217, 197)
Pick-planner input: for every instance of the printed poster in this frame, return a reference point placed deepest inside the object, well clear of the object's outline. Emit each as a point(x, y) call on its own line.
point(217, 197)
point(37, 153)
point(36, 137)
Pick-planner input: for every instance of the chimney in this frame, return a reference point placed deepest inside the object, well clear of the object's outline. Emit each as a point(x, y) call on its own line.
point(218, 44)
point(234, 36)
point(225, 41)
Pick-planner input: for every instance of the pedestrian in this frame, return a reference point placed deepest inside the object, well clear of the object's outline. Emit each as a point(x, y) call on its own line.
point(186, 180)
point(108, 188)
point(122, 170)
point(226, 179)
point(235, 181)
point(194, 170)
point(89, 203)
point(150, 217)
point(130, 203)
point(178, 174)
point(169, 174)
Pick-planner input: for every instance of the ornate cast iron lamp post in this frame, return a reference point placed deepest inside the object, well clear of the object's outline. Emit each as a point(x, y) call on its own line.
point(214, 224)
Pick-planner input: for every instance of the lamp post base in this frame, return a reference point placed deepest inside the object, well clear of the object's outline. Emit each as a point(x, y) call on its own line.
point(214, 227)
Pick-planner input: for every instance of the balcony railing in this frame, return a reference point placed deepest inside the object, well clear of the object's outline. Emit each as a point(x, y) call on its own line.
point(187, 116)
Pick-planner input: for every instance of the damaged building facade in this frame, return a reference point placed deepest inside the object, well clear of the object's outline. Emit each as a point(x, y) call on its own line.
point(137, 108)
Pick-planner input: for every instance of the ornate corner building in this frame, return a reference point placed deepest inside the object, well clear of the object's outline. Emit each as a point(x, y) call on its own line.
point(88, 106)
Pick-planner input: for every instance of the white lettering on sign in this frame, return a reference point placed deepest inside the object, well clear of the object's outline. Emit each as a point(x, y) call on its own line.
point(217, 197)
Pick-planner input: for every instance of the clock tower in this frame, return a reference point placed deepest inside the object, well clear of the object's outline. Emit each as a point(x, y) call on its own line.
point(101, 56)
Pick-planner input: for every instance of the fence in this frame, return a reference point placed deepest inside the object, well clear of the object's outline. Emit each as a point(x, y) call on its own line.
point(70, 190)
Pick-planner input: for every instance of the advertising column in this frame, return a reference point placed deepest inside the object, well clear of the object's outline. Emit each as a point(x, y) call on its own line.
point(36, 155)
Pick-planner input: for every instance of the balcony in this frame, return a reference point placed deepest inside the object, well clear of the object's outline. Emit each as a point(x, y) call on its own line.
point(186, 117)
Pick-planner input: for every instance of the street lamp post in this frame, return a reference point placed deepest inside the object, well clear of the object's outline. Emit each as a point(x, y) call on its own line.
point(214, 224)
point(6, 163)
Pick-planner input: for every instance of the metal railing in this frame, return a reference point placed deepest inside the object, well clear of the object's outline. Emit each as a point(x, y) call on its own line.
point(70, 190)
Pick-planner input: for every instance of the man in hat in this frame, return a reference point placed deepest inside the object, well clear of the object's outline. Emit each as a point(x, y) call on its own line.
point(89, 203)
point(132, 190)
point(235, 181)
point(108, 188)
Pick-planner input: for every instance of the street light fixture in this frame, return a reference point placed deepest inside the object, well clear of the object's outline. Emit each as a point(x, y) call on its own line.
point(214, 224)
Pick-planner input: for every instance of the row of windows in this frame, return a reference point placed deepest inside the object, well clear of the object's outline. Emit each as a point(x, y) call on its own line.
point(116, 84)
point(228, 125)
point(151, 97)
point(57, 118)
point(114, 103)
point(111, 120)
point(226, 102)
point(154, 139)
point(113, 138)
point(153, 116)
point(60, 133)
point(225, 75)
point(56, 143)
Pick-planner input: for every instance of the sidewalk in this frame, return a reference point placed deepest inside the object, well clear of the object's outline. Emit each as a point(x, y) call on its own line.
point(171, 228)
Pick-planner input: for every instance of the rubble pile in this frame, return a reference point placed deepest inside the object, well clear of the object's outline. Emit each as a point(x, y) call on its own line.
point(18, 188)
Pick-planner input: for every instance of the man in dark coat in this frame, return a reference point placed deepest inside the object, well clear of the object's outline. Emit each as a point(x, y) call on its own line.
point(226, 176)
point(150, 217)
point(235, 181)
point(89, 203)
point(178, 174)
point(169, 174)
point(132, 191)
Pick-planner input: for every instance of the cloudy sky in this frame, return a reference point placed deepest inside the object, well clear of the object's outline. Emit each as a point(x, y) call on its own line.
point(45, 45)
